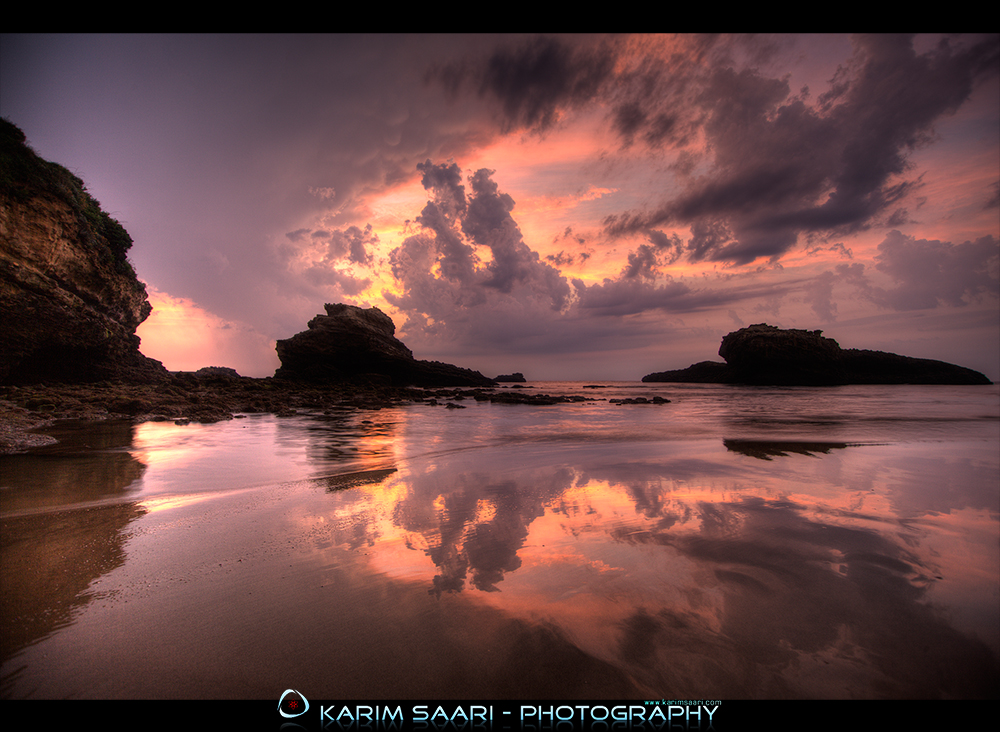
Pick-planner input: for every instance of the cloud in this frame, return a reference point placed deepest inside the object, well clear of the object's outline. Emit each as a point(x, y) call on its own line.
point(781, 166)
point(533, 80)
point(927, 273)
point(469, 279)
point(352, 244)
point(285, 166)
point(441, 268)
point(628, 296)
point(820, 297)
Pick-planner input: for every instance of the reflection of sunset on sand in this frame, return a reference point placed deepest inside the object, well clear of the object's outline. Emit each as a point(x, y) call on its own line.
point(210, 489)
point(706, 545)
point(605, 557)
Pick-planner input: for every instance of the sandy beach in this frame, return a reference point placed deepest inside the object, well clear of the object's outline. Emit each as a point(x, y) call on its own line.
point(589, 550)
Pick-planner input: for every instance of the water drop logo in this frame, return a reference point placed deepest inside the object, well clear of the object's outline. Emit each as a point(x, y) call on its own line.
point(292, 704)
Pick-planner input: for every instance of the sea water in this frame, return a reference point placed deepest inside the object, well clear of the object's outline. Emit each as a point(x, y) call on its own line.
point(733, 543)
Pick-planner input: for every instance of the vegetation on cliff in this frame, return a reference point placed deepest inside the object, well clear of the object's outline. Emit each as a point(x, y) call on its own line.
point(70, 301)
point(24, 175)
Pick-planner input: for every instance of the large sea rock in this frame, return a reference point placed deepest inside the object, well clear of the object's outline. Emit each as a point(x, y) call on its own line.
point(763, 354)
point(354, 344)
point(70, 301)
point(515, 378)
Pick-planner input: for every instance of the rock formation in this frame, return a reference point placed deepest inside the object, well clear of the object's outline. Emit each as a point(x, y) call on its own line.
point(765, 355)
point(515, 378)
point(69, 299)
point(353, 344)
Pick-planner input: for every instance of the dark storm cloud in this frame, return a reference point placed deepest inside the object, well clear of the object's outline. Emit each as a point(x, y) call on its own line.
point(563, 258)
point(515, 300)
point(782, 167)
point(534, 79)
point(489, 223)
point(457, 259)
point(929, 273)
point(642, 263)
point(630, 296)
point(446, 183)
point(459, 225)
point(646, 260)
point(994, 199)
point(352, 244)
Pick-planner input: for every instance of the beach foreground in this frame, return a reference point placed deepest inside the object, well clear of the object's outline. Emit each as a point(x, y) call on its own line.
point(737, 542)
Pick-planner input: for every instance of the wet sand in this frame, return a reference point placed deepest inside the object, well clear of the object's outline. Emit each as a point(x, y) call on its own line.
point(380, 555)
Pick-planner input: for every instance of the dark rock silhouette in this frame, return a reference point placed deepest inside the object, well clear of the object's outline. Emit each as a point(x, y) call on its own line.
point(515, 378)
point(350, 344)
point(763, 354)
point(69, 299)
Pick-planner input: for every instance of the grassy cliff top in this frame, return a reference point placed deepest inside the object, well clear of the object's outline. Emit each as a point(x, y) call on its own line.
point(24, 175)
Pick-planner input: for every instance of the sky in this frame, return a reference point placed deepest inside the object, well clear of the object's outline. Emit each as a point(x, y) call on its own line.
point(570, 207)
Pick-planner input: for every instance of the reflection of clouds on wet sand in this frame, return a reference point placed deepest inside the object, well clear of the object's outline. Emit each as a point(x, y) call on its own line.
point(478, 526)
point(797, 590)
point(691, 572)
point(414, 558)
point(64, 516)
point(48, 563)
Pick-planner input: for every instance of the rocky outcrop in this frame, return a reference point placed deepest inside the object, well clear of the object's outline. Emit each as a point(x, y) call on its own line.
point(703, 372)
point(765, 355)
point(515, 378)
point(351, 344)
point(69, 299)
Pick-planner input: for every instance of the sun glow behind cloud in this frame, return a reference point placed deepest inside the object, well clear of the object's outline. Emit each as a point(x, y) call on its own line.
point(662, 189)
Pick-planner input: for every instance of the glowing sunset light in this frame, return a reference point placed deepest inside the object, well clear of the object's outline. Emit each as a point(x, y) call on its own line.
point(531, 200)
point(186, 337)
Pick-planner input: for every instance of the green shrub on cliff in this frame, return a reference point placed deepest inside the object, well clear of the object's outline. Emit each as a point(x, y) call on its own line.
point(24, 175)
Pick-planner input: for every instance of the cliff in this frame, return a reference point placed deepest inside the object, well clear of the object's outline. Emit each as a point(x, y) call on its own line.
point(350, 344)
point(69, 299)
point(765, 355)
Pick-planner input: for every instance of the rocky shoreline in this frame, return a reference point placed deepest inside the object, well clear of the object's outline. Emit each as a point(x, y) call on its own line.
point(209, 397)
point(70, 303)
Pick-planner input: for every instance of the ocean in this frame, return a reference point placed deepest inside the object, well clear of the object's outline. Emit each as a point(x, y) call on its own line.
point(734, 543)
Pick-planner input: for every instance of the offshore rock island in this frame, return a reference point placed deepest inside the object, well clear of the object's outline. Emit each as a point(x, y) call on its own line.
point(70, 303)
point(351, 344)
point(765, 355)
